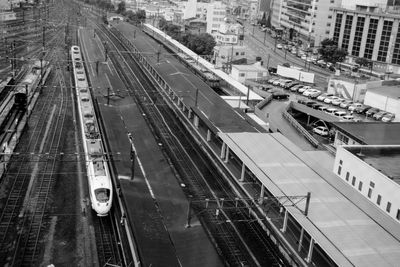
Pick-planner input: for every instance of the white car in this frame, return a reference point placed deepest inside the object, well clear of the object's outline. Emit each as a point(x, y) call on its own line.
point(331, 110)
point(321, 130)
point(354, 106)
point(304, 88)
point(348, 117)
point(323, 96)
point(303, 57)
point(309, 92)
point(337, 102)
point(279, 46)
point(276, 82)
point(340, 113)
point(329, 100)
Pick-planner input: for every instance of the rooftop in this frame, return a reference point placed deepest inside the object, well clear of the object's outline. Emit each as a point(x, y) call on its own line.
point(378, 14)
point(348, 227)
point(371, 133)
point(385, 159)
point(388, 88)
point(252, 67)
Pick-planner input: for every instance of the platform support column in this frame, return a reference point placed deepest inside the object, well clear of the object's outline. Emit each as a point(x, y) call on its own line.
point(196, 121)
point(179, 102)
point(301, 239)
point(223, 150)
point(261, 199)
point(284, 226)
point(226, 155)
point(208, 135)
point(243, 172)
point(308, 119)
point(310, 251)
point(190, 114)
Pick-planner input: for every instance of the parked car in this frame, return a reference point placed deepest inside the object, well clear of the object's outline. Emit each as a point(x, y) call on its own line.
point(371, 111)
point(267, 87)
point(336, 102)
point(348, 117)
point(310, 92)
point(302, 101)
point(279, 46)
point(277, 82)
point(379, 115)
point(331, 110)
point(280, 95)
point(340, 113)
point(291, 84)
point(272, 80)
point(304, 88)
point(329, 100)
point(315, 95)
point(284, 82)
point(345, 104)
point(321, 130)
point(296, 88)
point(323, 96)
point(362, 109)
point(354, 106)
point(323, 108)
point(316, 105)
point(310, 103)
point(388, 117)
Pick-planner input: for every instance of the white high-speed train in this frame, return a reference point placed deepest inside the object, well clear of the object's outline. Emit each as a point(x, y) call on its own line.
point(100, 184)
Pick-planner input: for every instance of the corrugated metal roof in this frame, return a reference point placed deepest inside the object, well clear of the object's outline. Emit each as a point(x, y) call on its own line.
point(346, 233)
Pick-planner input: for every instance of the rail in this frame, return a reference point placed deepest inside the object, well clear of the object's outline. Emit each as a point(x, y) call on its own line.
point(299, 127)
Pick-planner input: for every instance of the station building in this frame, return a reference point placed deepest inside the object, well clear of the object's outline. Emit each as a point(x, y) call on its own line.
point(366, 133)
point(372, 171)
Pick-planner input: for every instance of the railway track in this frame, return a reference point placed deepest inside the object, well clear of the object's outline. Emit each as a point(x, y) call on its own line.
point(196, 171)
point(106, 241)
point(23, 215)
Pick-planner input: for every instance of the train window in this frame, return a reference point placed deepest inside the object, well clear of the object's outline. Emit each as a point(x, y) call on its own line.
point(85, 99)
point(76, 53)
point(81, 79)
point(84, 90)
point(78, 59)
point(102, 194)
point(80, 72)
point(76, 48)
point(88, 116)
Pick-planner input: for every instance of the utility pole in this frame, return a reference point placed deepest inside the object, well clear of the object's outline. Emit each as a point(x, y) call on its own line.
point(265, 35)
point(44, 37)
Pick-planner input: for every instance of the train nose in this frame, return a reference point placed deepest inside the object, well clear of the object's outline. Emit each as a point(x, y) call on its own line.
point(102, 209)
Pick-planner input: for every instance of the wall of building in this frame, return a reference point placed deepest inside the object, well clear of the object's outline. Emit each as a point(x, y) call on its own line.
point(242, 75)
point(368, 181)
point(347, 89)
point(225, 54)
point(383, 102)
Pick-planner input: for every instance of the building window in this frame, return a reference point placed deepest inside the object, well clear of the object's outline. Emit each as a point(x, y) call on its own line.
point(385, 38)
point(358, 36)
point(241, 74)
point(398, 215)
point(360, 186)
point(353, 182)
point(340, 162)
point(378, 200)
point(242, 53)
point(326, 32)
point(339, 170)
point(330, 16)
point(237, 53)
point(347, 176)
point(388, 206)
point(371, 35)
point(372, 184)
point(328, 24)
point(396, 50)
point(369, 193)
point(346, 33)
point(332, 1)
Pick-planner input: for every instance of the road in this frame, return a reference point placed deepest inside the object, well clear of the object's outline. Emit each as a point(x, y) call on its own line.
point(254, 39)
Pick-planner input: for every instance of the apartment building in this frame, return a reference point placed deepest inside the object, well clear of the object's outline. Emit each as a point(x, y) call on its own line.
point(216, 14)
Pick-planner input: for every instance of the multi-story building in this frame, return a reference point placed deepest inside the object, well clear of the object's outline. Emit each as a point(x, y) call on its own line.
point(216, 14)
point(229, 34)
point(369, 32)
point(195, 9)
point(308, 20)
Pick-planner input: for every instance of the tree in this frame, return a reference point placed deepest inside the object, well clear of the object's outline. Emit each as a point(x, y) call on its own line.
point(141, 15)
point(162, 23)
point(202, 44)
point(121, 8)
point(330, 52)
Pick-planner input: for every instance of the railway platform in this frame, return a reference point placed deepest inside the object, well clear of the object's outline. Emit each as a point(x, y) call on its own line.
point(154, 203)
